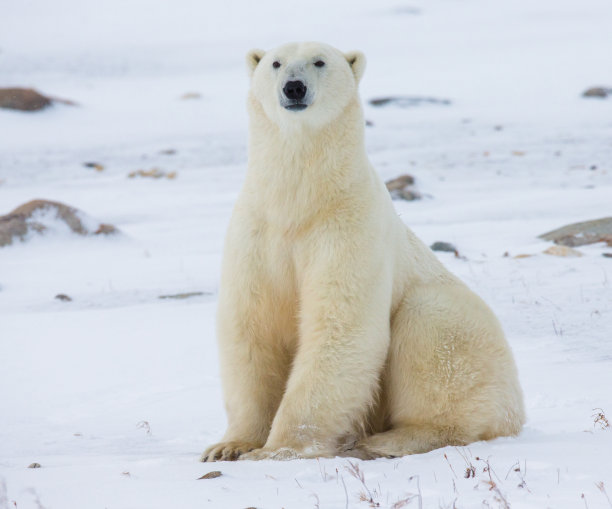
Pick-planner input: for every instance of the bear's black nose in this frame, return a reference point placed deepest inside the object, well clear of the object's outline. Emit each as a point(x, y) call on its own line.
point(295, 90)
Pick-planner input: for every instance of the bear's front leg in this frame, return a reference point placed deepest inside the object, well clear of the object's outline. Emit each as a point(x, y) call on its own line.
point(254, 373)
point(254, 364)
point(344, 337)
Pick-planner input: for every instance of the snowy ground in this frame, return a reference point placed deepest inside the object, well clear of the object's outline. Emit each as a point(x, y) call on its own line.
point(116, 393)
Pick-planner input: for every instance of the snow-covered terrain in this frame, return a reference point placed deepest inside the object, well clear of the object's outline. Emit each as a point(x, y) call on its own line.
point(116, 393)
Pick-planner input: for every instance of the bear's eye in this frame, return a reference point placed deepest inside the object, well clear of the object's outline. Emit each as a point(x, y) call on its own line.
point(276, 64)
point(319, 63)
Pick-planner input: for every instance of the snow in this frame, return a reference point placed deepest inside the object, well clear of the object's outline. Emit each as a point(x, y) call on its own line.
point(116, 393)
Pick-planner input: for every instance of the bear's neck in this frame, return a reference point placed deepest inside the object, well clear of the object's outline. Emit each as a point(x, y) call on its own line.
point(295, 172)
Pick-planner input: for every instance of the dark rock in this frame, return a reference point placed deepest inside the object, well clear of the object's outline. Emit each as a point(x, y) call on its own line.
point(406, 194)
point(599, 92)
point(607, 255)
point(26, 218)
point(63, 297)
point(95, 166)
point(446, 247)
point(34, 465)
point(408, 101)
point(580, 234)
point(23, 99)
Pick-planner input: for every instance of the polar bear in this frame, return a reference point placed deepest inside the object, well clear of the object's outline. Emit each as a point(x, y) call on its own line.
point(340, 332)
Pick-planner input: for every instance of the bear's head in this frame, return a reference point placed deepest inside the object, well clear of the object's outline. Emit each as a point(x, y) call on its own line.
point(304, 83)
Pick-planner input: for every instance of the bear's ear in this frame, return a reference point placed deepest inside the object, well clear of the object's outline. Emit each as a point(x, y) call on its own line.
point(357, 61)
point(252, 59)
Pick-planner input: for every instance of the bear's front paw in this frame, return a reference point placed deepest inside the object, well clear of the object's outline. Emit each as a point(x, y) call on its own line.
point(228, 451)
point(284, 453)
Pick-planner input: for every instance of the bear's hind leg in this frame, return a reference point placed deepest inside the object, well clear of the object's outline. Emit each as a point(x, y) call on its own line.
point(404, 440)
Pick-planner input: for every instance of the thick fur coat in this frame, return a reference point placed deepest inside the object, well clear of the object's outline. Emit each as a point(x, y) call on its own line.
point(340, 332)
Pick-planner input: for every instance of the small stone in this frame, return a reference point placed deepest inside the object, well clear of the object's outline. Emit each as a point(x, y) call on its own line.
point(407, 194)
point(191, 95)
point(399, 182)
point(563, 251)
point(63, 297)
point(95, 166)
point(599, 92)
point(408, 101)
point(607, 255)
point(154, 173)
point(23, 99)
point(105, 229)
point(34, 465)
point(211, 475)
point(400, 188)
point(446, 247)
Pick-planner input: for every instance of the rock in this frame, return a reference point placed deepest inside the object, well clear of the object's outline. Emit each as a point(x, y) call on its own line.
point(211, 475)
point(581, 234)
point(191, 95)
point(34, 465)
point(154, 173)
point(38, 216)
point(600, 92)
point(563, 251)
point(408, 101)
point(400, 188)
point(407, 194)
point(95, 166)
point(106, 229)
point(607, 255)
point(63, 297)
point(400, 182)
point(446, 247)
point(23, 99)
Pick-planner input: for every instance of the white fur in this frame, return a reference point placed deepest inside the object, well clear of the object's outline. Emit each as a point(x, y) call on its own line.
point(339, 331)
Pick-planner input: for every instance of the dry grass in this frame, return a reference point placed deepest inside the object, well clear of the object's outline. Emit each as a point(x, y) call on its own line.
point(364, 496)
point(600, 419)
point(600, 486)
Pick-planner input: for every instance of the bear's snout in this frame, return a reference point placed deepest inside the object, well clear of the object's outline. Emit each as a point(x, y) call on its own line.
point(295, 90)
